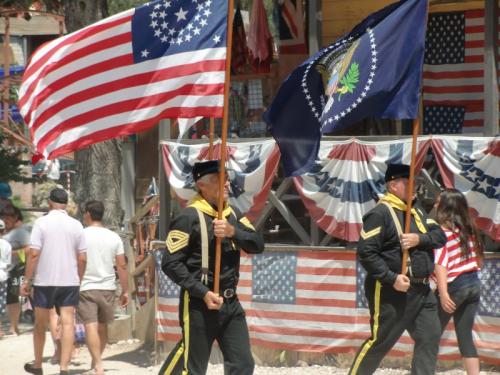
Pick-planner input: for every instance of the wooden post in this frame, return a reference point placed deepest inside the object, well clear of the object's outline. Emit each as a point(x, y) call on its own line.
point(211, 139)
point(409, 193)
point(222, 170)
point(6, 70)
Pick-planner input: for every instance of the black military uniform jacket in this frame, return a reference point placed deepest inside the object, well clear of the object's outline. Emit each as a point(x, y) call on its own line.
point(379, 248)
point(182, 260)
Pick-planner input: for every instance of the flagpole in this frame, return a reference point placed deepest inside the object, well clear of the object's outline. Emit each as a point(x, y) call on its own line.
point(222, 169)
point(409, 193)
point(411, 179)
point(211, 139)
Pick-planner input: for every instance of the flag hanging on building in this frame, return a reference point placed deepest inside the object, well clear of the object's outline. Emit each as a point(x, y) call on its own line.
point(122, 74)
point(453, 89)
point(167, 312)
point(471, 165)
point(291, 21)
point(239, 49)
point(260, 40)
point(251, 169)
point(347, 181)
point(374, 71)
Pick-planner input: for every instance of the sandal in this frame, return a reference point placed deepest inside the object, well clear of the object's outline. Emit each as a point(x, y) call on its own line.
point(28, 367)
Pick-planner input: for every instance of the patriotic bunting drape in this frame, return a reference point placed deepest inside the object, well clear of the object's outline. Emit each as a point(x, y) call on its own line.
point(348, 177)
point(251, 167)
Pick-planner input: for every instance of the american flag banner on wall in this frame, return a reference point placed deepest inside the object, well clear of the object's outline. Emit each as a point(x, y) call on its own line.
point(453, 87)
point(291, 23)
point(347, 180)
point(313, 301)
point(471, 165)
point(122, 74)
point(251, 168)
point(167, 312)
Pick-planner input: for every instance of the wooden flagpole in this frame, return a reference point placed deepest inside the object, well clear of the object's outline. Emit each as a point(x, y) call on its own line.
point(222, 169)
point(6, 70)
point(409, 193)
point(211, 139)
point(411, 179)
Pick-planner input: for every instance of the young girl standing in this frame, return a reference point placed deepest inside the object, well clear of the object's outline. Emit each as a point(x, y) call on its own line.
point(457, 265)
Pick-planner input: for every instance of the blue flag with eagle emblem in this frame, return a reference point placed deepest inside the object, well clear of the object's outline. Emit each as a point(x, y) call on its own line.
point(374, 71)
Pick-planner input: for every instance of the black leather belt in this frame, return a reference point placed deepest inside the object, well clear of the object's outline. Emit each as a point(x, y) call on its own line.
point(419, 280)
point(229, 293)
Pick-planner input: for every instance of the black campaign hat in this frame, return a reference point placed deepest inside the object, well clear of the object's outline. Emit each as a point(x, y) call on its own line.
point(397, 171)
point(205, 167)
point(58, 195)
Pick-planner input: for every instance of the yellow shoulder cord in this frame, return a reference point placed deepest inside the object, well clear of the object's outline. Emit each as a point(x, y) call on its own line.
point(204, 247)
point(399, 230)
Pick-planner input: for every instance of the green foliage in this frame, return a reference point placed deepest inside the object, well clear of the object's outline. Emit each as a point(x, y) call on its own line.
point(17, 4)
point(350, 79)
point(11, 162)
point(117, 6)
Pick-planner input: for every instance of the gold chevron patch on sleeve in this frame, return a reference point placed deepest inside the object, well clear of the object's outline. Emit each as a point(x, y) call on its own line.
point(246, 223)
point(365, 235)
point(176, 240)
point(431, 221)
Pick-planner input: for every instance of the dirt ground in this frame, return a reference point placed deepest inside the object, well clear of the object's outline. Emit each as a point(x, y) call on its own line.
point(127, 357)
point(131, 357)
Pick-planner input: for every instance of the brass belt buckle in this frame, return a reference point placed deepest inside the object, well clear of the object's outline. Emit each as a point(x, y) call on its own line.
point(228, 293)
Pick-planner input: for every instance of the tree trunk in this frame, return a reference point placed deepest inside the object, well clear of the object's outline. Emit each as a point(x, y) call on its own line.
point(98, 167)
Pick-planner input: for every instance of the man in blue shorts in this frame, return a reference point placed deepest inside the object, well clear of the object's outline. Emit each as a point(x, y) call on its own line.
point(55, 266)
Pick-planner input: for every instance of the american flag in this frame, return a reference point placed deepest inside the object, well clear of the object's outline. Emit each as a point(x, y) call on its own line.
point(291, 27)
point(167, 313)
point(251, 166)
point(165, 59)
point(453, 88)
point(313, 301)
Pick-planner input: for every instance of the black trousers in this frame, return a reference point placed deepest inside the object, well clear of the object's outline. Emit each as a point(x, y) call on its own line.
point(200, 328)
point(391, 313)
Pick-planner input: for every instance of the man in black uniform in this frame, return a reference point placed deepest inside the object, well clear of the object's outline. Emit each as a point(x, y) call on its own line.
point(397, 301)
point(205, 315)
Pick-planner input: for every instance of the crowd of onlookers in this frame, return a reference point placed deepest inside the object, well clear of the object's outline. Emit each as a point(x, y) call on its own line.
point(65, 272)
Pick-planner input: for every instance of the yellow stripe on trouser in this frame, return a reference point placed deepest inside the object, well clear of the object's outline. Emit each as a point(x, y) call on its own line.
point(171, 366)
point(185, 319)
point(370, 342)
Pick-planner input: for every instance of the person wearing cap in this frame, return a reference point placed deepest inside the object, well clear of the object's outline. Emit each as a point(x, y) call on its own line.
point(5, 259)
point(55, 266)
point(399, 301)
point(5, 194)
point(206, 315)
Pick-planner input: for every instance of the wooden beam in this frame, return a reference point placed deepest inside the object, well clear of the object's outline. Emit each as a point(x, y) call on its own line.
point(491, 95)
point(141, 212)
point(439, 6)
point(269, 207)
point(290, 219)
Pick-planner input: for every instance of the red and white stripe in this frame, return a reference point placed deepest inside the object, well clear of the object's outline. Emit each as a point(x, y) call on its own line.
point(450, 256)
point(84, 87)
point(461, 84)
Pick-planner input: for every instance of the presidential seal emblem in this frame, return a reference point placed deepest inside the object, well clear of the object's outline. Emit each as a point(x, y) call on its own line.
point(339, 73)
